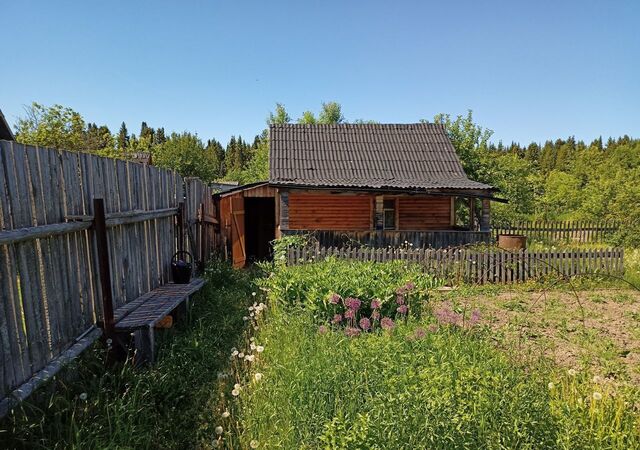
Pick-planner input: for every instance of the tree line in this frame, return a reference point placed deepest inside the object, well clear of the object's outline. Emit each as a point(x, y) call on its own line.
point(561, 179)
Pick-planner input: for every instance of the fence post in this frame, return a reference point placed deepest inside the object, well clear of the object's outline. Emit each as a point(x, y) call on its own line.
point(180, 224)
point(100, 227)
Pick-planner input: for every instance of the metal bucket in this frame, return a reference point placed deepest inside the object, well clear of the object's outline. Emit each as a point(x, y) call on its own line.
point(180, 269)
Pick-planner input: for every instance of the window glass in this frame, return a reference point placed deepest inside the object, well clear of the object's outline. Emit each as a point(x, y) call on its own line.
point(389, 219)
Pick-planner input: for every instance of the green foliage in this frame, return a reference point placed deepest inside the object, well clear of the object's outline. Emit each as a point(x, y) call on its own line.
point(165, 406)
point(307, 118)
point(280, 116)
point(186, 154)
point(331, 113)
point(311, 285)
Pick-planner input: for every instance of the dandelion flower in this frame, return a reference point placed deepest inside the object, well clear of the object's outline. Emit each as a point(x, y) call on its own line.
point(597, 396)
point(258, 376)
point(253, 444)
point(83, 396)
point(226, 414)
point(571, 372)
point(259, 348)
point(219, 430)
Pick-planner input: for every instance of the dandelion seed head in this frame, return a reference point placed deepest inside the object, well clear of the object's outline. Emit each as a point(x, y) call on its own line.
point(572, 372)
point(253, 444)
point(596, 396)
point(258, 376)
point(259, 348)
point(550, 386)
point(219, 430)
point(226, 414)
point(596, 379)
point(235, 392)
point(83, 396)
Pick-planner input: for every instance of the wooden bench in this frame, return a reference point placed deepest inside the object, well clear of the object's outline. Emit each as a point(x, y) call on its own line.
point(141, 315)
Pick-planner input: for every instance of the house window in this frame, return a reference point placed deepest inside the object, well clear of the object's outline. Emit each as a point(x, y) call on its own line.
point(389, 214)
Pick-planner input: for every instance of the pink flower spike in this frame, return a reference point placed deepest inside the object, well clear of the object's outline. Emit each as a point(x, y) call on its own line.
point(349, 314)
point(335, 299)
point(403, 309)
point(352, 303)
point(400, 299)
point(375, 303)
point(337, 318)
point(387, 324)
point(409, 286)
point(420, 333)
point(375, 315)
point(322, 329)
point(433, 328)
point(365, 323)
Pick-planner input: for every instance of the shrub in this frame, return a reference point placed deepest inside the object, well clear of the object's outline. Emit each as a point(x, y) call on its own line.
point(312, 286)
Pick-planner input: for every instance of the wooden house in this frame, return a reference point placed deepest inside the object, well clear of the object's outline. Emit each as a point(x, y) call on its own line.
point(379, 184)
point(5, 129)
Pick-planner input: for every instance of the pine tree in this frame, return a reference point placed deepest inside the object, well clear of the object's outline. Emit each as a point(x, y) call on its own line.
point(123, 138)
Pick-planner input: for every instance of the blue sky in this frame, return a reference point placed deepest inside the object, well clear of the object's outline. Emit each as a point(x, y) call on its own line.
point(530, 70)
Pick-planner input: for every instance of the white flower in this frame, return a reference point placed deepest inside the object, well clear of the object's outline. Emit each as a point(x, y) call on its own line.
point(550, 386)
point(219, 429)
point(258, 376)
point(234, 353)
point(571, 372)
point(245, 318)
point(596, 379)
point(240, 355)
point(249, 358)
point(253, 346)
point(262, 305)
point(235, 392)
point(226, 414)
point(259, 348)
point(237, 386)
point(253, 444)
point(250, 308)
point(252, 339)
point(253, 293)
point(109, 341)
point(83, 396)
point(597, 396)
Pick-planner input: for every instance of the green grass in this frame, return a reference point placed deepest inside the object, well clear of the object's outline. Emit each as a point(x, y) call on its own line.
point(452, 388)
point(161, 407)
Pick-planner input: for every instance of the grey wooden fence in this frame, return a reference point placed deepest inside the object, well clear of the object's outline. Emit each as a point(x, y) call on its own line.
point(564, 231)
point(490, 265)
point(49, 276)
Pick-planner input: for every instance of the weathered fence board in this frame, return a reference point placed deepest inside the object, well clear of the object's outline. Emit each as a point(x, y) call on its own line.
point(480, 266)
point(562, 231)
point(49, 277)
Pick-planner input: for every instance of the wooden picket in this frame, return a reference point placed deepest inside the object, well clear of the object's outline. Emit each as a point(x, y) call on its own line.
point(49, 279)
point(560, 231)
point(490, 265)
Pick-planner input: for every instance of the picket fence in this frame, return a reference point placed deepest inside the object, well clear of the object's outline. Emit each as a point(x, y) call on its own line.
point(560, 231)
point(490, 265)
point(50, 270)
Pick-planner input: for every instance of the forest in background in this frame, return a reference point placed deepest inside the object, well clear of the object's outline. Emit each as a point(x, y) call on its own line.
point(561, 179)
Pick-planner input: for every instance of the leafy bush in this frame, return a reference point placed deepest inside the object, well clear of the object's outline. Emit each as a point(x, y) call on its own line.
point(313, 285)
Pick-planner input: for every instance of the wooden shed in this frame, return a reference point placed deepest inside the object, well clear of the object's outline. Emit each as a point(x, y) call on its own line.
point(380, 184)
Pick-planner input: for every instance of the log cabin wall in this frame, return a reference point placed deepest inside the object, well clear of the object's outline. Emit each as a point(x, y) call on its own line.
point(424, 213)
point(326, 211)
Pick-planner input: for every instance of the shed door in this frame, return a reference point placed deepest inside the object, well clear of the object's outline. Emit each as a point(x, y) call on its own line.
point(238, 252)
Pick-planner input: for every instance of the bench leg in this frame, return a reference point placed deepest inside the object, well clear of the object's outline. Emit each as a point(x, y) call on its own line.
point(145, 346)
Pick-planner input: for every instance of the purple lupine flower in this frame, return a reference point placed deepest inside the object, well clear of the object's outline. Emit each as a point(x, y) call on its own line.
point(402, 309)
point(400, 299)
point(351, 331)
point(365, 323)
point(387, 324)
point(322, 329)
point(349, 314)
point(375, 303)
point(335, 299)
point(409, 286)
point(375, 315)
point(337, 318)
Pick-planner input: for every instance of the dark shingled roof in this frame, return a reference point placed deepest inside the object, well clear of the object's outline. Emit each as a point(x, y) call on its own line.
point(5, 130)
point(407, 156)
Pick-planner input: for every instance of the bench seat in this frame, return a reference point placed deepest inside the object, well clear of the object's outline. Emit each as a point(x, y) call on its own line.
point(142, 314)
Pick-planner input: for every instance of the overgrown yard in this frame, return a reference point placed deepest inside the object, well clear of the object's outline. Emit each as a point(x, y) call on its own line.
point(344, 355)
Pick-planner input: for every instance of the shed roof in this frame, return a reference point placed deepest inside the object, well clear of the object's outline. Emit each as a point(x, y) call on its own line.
point(396, 156)
point(5, 130)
